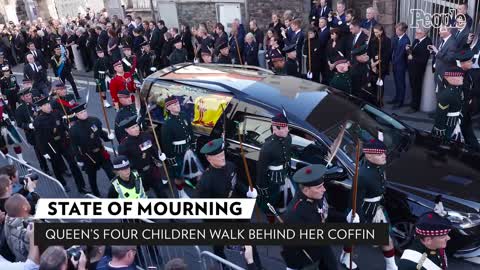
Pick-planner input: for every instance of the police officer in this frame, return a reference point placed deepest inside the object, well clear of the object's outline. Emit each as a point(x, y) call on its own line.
point(224, 55)
point(140, 148)
point(274, 165)
point(87, 135)
point(24, 115)
point(449, 108)
point(128, 183)
point(427, 251)
point(219, 181)
point(309, 206)
point(370, 197)
point(360, 73)
point(51, 136)
point(101, 69)
point(177, 136)
point(9, 88)
point(63, 102)
point(127, 110)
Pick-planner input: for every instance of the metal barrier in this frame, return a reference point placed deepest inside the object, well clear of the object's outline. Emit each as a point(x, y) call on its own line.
point(211, 261)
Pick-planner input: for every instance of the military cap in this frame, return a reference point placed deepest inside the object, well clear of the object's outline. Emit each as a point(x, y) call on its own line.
point(359, 49)
point(120, 162)
point(205, 51)
point(25, 80)
point(222, 46)
point(129, 122)
point(464, 55)
point(57, 84)
point(5, 68)
point(79, 108)
point(41, 101)
point(99, 48)
point(339, 60)
point(453, 72)
point(56, 47)
point(310, 176)
point(126, 45)
point(213, 147)
point(24, 91)
point(124, 93)
point(432, 224)
point(290, 48)
point(117, 62)
point(170, 101)
point(177, 39)
point(374, 146)
point(279, 120)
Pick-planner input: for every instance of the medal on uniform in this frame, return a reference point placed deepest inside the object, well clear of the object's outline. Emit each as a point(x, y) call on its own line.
point(71, 102)
point(145, 145)
point(94, 128)
point(57, 122)
point(186, 123)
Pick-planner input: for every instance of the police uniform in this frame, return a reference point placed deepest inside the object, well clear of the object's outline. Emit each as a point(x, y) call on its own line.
point(449, 109)
point(130, 189)
point(291, 66)
point(223, 59)
point(53, 143)
point(341, 81)
point(361, 77)
point(24, 115)
point(304, 210)
point(273, 166)
point(9, 88)
point(124, 112)
point(144, 157)
point(87, 136)
point(417, 256)
point(101, 69)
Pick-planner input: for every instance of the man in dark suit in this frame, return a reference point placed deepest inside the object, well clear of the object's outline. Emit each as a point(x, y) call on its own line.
point(220, 38)
point(399, 63)
point(34, 71)
point(37, 55)
point(444, 56)
point(323, 38)
point(156, 38)
point(357, 38)
point(130, 25)
point(462, 9)
point(19, 44)
point(102, 40)
point(297, 38)
point(418, 55)
point(321, 9)
point(462, 32)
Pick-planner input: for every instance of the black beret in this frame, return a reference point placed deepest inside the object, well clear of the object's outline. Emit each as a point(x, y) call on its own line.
point(41, 101)
point(222, 46)
point(464, 55)
point(279, 120)
point(79, 108)
point(124, 93)
point(374, 146)
point(359, 49)
point(129, 122)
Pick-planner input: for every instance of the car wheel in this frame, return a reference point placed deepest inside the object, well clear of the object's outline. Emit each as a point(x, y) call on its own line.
point(402, 234)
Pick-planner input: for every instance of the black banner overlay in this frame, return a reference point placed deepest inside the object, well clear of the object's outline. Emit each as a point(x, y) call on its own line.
point(209, 234)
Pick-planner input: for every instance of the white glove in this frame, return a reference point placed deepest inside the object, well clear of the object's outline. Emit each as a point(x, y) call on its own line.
point(5, 116)
point(13, 123)
point(30, 126)
point(111, 136)
point(356, 219)
point(162, 156)
point(47, 156)
point(4, 132)
point(80, 164)
point(309, 75)
point(252, 193)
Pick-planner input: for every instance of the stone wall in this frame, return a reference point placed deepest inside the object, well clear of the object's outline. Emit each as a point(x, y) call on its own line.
point(261, 10)
point(195, 13)
point(386, 12)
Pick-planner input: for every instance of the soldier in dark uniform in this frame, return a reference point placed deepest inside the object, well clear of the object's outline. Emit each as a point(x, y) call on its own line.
point(206, 55)
point(149, 62)
point(140, 148)
point(24, 115)
point(219, 181)
point(275, 58)
point(427, 251)
point(273, 166)
point(129, 60)
point(309, 206)
point(62, 68)
point(9, 88)
point(179, 54)
point(9, 134)
point(3, 63)
point(177, 138)
point(450, 102)
point(87, 135)
point(101, 69)
point(63, 102)
point(224, 56)
point(291, 66)
point(127, 110)
point(361, 74)
point(342, 79)
point(128, 183)
point(464, 57)
point(52, 141)
point(370, 198)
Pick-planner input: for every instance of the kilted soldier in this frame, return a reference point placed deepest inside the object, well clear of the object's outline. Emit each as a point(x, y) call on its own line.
point(9, 88)
point(8, 133)
point(309, 206)
point(101, 69)
point(273, 166)
point(178, 138)
point(127, 110)
point(63, 102)
point(342, 78)
point(370, 198)
point(449, 109)
point(219, 181)
point(87, 135)
point(360, 74)
point(24, 115)
point(224, 56)
point(128, 183)
point(52, 141)
point(427, 251)
point(140, 148)
point(291, 66)
point(122, 80)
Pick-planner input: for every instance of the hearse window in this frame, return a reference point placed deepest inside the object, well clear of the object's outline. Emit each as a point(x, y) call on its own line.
point(256, 131)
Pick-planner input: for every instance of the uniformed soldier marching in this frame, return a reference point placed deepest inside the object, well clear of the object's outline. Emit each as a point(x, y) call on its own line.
point(127, 110)
point(219, 181)
point(24, 115)
point(102, 69)
point(128, 183)
point(427, 252)
point(63, 102)
point(370, 197)
point(361, 74)
point(53, 143)
point(140, 148)
point(224, 55)
point(9, 88)
point(291, 66)
point(129, 61)
point(449, 109)
point(178, 138)
point(9, 134)
point(62, 68)
point(309, 206)
point(342, 79)
point(274, 166)
point(87, 135)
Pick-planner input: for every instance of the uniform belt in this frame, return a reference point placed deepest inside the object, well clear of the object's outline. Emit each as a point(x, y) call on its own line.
point(374, 199)
point(182, 142)
point(275, 168)
point(101, 72)
point(96, 150)
point(453, 114)
point(146, 168)
point(56, 138)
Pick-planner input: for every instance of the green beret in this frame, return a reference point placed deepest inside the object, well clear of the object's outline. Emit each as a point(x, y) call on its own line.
point(213, 147)
point(359, 50)
point(311, 175)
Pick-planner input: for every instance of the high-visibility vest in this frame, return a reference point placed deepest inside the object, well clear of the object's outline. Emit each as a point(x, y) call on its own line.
point(136, 192)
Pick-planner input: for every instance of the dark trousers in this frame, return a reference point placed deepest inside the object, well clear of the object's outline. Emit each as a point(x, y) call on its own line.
point(152, 178)
point(467, 131)
point(41, 160)
point(57, 161)
point(399, 77)
point(416, 82)
point(42, 87)
point(68, 76)
point(91, 170)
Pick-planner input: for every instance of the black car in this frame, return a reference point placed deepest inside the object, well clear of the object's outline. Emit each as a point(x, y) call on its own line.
point(245, 98)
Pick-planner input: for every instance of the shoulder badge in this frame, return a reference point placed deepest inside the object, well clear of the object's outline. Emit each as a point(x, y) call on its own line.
point(442, 107)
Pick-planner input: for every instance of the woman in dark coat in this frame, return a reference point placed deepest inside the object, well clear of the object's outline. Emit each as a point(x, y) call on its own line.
point(335, 48)
point(379, 60)
point(311, 48)
point(250, 51)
